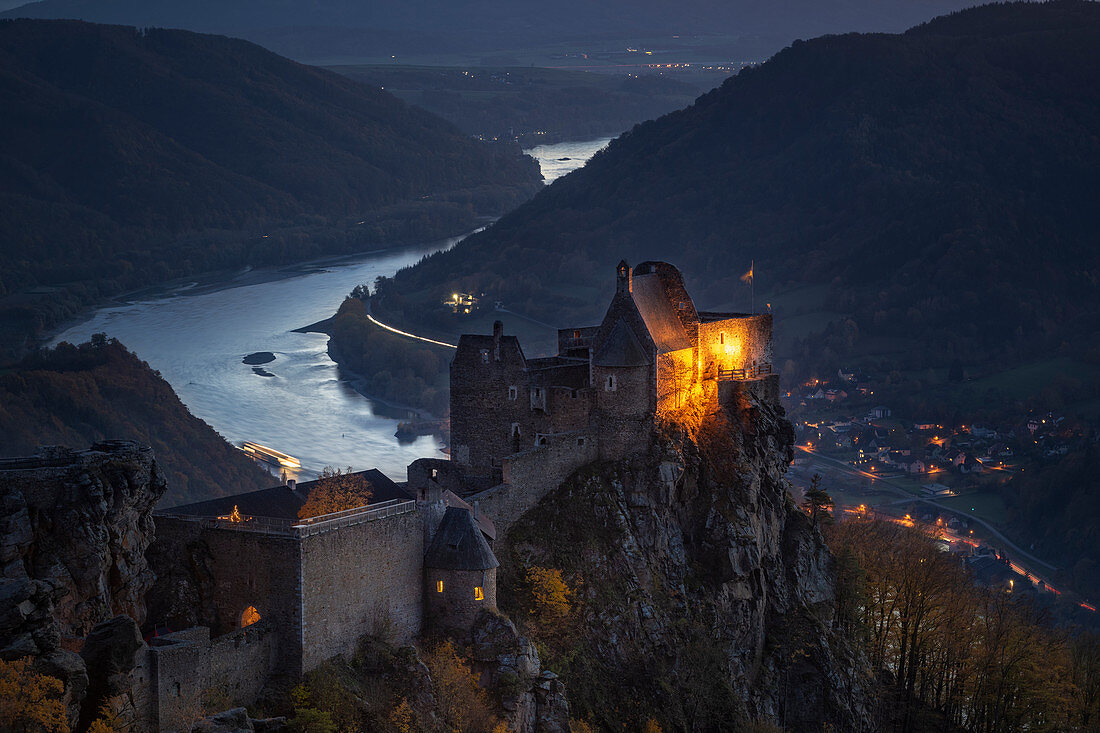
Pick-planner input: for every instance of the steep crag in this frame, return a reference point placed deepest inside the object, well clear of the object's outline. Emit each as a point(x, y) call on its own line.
point(75, 527)
point(698, 591)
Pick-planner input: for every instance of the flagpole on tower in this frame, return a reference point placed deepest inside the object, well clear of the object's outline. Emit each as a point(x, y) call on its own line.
point(748, 277)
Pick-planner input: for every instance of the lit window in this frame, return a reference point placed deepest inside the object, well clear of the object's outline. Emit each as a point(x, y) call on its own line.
point(249, 616)
point(439, 586)
point(484, 356)
point(479, 594)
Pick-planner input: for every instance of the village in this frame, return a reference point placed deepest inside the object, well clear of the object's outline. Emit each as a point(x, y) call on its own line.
point(949, 480)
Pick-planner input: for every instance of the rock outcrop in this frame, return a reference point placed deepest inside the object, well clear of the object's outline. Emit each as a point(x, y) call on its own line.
point(533, 701)
point(74, 527)
point(700, 592)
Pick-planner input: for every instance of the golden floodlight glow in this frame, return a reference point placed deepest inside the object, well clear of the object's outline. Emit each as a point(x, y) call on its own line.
point(249, 616)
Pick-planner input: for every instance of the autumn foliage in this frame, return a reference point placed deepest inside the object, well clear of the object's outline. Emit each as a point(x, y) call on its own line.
point(550, 597)
point(336, 491)
point(461, 700)
point(961, 657)
point(30, 701)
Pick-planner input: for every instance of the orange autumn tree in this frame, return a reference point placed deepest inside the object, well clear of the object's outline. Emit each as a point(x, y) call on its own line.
point(30, 701)
point(336, 491)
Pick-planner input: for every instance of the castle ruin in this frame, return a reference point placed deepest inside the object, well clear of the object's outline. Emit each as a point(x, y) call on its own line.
point(286, 594)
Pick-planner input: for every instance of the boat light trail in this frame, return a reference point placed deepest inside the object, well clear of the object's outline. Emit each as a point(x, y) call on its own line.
point(399, 332)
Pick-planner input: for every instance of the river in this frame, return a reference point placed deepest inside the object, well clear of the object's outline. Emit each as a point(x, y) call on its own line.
point(196, 337)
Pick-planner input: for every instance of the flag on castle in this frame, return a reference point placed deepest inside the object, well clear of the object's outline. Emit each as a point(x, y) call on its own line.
point(747, 277)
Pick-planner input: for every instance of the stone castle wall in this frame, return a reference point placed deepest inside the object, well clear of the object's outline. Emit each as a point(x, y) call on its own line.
point(566, 410)
point(360, 579)
point(748, 339)
point(248, 568)
point(531, 474)
point(624, 415)
point(188, 670)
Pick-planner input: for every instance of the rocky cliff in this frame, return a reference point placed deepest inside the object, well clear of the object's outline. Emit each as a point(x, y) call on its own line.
point(700, 596)
point(74, 527)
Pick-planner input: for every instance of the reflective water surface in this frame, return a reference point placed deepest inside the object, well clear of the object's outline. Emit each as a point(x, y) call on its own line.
point(197, 336)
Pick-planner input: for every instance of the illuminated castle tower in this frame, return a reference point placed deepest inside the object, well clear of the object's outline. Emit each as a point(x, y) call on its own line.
point(653, 352)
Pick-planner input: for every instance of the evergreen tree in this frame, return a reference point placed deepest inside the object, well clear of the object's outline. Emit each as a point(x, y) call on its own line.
point(817, 501)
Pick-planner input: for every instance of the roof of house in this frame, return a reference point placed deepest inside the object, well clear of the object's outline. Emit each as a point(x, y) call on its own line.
point(459, 544)
point(280, 502)
point(659, 314)
point(621, 348)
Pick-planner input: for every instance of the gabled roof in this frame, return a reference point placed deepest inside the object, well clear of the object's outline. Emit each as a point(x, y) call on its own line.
point(459, 544)
point(282, 503)
point(482, 520)
point(659, 314)
point(621, 348)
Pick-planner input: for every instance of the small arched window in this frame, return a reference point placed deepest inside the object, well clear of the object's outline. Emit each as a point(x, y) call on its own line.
point(722, 337)
point(611, 383)
point(439, 586)
point(479, 594)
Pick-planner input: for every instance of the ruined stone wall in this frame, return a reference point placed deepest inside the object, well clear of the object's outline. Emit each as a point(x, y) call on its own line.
point(358, 579)
point(529, 475)
point(188, 670)
point(456, 606)
point(747, 339)
point(245, 568)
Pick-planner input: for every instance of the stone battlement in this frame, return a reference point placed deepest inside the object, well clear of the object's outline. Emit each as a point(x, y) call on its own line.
point(301, 527)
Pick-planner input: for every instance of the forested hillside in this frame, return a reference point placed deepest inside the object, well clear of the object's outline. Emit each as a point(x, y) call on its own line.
point(937, 187)
point(129, 157)
point(77, 395)
point(534, 105)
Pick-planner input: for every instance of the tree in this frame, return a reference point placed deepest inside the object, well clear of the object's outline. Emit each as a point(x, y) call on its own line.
point(817, 501)
point(336, 491)
point(461, 700)
point(402, 717)
point(30, 701)
point(549, 597)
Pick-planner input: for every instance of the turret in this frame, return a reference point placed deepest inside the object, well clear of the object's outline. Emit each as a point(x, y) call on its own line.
point(622, 277)
point(460, 573)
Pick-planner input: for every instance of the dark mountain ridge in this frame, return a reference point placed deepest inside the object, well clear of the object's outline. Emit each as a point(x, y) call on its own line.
point(129, 157)
point(329, 27)
point(939, 184)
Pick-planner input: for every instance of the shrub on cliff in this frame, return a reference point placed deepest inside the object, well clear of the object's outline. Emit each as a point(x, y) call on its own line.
point(462, 701)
